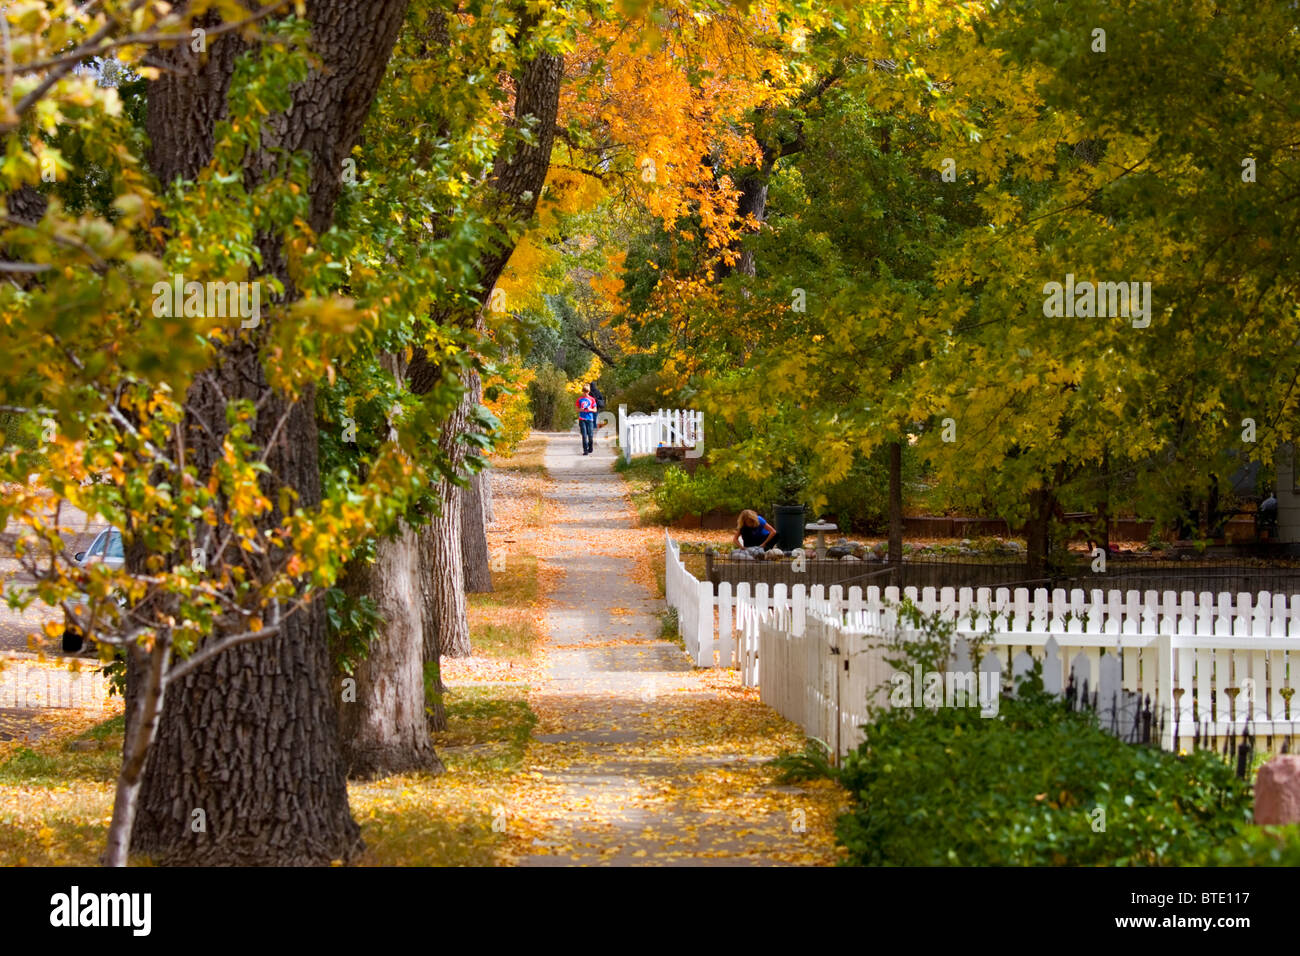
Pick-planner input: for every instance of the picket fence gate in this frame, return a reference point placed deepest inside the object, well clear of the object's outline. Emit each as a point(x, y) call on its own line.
point(1212, 660)
point(640, 433)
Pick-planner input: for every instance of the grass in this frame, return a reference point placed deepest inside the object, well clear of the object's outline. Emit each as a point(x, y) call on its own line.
point(56, 799)
point(643, 475)
point(448, 819)
point(669, 629)
point(487, 728)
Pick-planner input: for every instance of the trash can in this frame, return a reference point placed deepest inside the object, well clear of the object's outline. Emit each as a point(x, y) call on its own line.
point(789, 526)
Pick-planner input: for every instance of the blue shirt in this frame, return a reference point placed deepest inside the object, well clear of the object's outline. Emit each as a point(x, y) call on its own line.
point(753, 537)
point(586, 408)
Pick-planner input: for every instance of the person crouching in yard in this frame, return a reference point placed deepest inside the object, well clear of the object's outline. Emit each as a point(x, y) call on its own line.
point(587, 419)
point(753, 531)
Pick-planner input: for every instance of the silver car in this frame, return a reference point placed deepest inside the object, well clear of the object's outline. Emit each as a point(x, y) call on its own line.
point(105, 549)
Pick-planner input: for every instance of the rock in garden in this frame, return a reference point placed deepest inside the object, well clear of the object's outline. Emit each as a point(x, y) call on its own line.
point(740, 554)
point(851, 557)
point(774, 554)
point(838, 551)
point(1277, 791)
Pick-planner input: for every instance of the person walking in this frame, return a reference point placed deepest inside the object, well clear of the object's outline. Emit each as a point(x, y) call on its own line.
point(600, 398)
point(587, 419)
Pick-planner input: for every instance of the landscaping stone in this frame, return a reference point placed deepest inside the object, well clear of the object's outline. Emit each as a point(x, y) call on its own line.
point(1277, 791)
point(740, 554)
point(838, 551)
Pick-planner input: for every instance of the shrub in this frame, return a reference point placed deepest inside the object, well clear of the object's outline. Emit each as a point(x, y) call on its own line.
point(1036, 785)
point(682, 494)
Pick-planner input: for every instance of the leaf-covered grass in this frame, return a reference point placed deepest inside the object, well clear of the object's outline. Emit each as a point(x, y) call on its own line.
point(56, 799)
point(644, 475)
point(447, 819)
point(505, 622)
point(56, 795)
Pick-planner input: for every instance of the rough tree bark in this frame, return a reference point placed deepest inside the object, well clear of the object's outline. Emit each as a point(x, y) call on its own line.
point(485, 495)
point(251, 738)
point(473, 535)
point(473, 520)
point(385, 730)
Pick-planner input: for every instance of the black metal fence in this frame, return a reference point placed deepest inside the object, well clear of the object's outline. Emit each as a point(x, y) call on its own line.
point(1140, 574)
point(1131, 718)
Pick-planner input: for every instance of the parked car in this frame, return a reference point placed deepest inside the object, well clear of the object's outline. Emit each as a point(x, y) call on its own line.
point(105, 549)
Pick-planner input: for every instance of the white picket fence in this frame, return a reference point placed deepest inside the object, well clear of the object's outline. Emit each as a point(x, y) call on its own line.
point(640, 433)
point(1186, 650)
point(26, 687)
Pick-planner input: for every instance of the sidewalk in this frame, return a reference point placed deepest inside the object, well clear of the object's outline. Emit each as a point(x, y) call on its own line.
point(638, 757)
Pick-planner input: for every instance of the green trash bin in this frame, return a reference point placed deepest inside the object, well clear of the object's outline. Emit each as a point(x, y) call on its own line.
point(789, 526)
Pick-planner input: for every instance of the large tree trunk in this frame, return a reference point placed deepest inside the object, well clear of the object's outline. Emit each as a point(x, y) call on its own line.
point(1038, 532)
point(473, 520)
point(385, 729)
point(251, 738)
point(442, 601)
point(485, 496)
point(473, 535)
point(446, 570)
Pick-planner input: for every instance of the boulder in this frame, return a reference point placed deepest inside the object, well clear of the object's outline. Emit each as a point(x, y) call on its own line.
point(774, 554)
point(1277, 791)
point(740, 554)
point(851, 557)
point(838, 551)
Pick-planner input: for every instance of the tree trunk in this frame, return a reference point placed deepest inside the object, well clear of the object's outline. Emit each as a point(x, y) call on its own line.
point(141, 730)
point(445, 571)
point(473, 536)
point(251, 738)
point(437, 604)
point(895, 502)
point(485, 496)
point(473, 520)
point(1037, 532)
point(385, 728)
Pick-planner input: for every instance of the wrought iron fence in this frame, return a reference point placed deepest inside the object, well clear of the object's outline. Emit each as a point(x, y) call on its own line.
point(1215, 575)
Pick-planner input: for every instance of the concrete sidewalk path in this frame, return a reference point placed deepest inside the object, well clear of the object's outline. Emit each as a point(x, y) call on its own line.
point(640, 758)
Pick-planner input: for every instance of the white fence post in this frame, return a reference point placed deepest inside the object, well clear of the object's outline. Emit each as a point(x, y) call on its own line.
point(622, 433)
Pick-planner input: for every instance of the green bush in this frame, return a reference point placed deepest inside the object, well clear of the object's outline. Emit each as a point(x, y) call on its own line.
point(682, 494)
point(1037, 785)
point(1257, 846)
